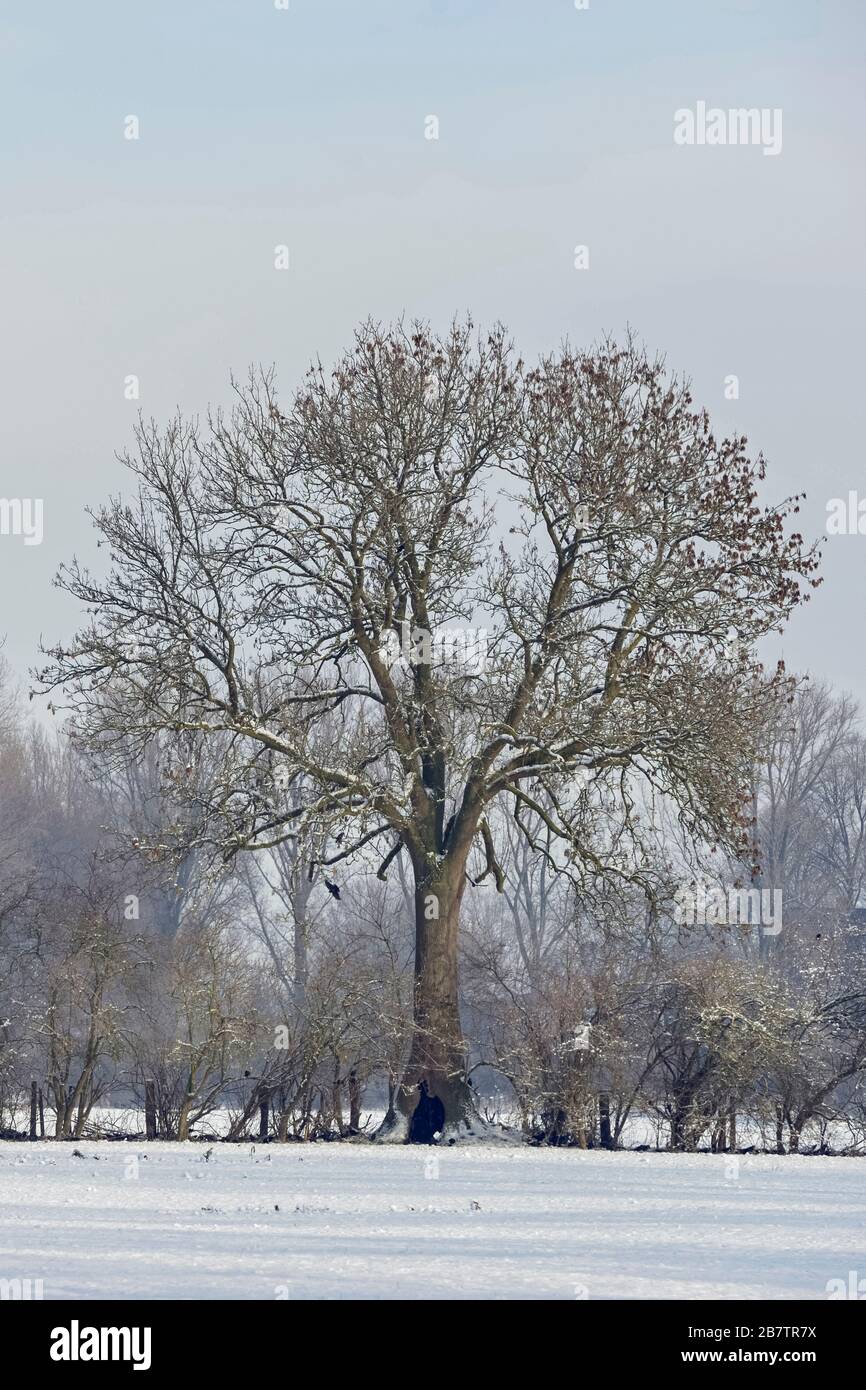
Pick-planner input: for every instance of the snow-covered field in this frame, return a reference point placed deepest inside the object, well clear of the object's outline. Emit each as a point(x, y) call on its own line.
point(353, 1220)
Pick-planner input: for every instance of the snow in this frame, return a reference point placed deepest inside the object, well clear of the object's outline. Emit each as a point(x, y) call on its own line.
point(133, 1220)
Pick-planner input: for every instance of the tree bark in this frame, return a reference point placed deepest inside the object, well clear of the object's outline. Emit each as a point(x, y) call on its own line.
point(264, 1112)
point(354, 1102)
point(434, 1097)
point(184, 1116)
point(150, 1109)
point(604, 1133)
point(337, 1098)
point(300, 932)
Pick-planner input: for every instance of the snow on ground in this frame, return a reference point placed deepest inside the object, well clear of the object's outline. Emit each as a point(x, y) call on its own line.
point(352, 1220)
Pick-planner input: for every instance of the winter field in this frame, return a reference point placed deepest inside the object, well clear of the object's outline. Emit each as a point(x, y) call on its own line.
point(336, 1221)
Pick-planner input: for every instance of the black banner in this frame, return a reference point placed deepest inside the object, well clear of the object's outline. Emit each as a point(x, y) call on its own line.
point(194, 1338)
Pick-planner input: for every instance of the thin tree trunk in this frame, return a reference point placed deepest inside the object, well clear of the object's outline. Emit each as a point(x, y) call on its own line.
point(67, 1092)
point(183, 1119)
point(59, 1090)
point(605, 1135)
point(150, 1109)
point(236, 1130)
point(354, 1102)
point(337, 1097)
point(299, 946)
point(264, 1112)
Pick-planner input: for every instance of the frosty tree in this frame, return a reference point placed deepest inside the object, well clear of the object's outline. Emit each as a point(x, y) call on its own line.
point(284, 579)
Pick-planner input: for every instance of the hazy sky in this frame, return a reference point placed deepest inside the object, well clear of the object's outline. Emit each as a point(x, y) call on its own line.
point(307, 127)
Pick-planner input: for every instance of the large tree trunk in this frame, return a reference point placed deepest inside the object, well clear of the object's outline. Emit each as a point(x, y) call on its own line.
point(435, 1100)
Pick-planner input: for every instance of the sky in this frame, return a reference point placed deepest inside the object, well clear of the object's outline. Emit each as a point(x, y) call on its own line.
point(311, 127)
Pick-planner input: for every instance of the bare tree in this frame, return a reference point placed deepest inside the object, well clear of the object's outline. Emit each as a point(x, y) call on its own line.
point(807, 742)
point(277, 570)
